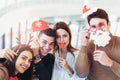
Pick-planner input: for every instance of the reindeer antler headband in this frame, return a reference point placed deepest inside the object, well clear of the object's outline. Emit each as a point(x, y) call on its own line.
point(27, 43)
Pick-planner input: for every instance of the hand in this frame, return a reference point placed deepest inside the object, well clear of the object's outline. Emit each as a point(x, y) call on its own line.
point(38, 60)
point(102, 58)
point(85, 36)
point(7, 54)
point(63, 63)
point(35, 47)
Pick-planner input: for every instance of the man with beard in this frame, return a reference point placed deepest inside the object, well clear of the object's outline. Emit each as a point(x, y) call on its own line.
point(99, 55)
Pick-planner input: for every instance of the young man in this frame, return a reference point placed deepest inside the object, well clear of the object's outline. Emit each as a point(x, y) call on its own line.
point(43, 59)
point(99, 56)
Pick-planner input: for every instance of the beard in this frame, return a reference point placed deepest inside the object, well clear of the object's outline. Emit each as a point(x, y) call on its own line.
point(100, 38)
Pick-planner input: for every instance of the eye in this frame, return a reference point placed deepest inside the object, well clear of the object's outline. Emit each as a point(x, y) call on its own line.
point(23, 57)
point(93, 26)
point(45, 42)
point(52, 44)
point(64, 35)
point(101, 25)
point(30, 60)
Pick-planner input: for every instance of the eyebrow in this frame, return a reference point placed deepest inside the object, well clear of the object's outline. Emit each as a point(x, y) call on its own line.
point(25, 56)
point(47, 41)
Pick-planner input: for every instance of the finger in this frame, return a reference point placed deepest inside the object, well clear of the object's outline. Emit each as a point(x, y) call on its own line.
point(8, 57)
point(96, 59)
point(11, 53)
point(35, 44)
point(61, 62)
point(60, 58)
point(98, 55)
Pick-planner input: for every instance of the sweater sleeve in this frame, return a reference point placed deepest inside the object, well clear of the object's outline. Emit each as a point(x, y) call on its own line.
point(116, 68)
point(82, 64)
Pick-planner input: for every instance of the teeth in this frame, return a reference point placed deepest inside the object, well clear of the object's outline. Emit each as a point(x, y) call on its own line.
point(23, 66)
point(45, 50)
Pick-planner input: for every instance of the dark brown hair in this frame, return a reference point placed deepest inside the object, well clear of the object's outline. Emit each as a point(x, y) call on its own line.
point(100, 13)
point(49, 32)
point(63, 25)
point(10, 65)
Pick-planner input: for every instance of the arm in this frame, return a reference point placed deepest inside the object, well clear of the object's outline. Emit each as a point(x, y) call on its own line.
point(103, 59)
point(116, 68)
point(7, 54)
point(116, 61)
point(82, 64)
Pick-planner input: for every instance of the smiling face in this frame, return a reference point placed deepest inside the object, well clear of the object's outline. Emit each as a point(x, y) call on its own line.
point(23, 62)
point(62, 37)
point(46, 44)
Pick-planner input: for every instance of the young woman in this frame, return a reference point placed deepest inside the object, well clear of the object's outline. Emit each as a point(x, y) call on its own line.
point(21, 67)
point(65, 54)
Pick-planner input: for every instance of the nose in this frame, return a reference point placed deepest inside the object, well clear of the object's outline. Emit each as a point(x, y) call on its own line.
point(98, 28)
point(47, 46)
point(61, 39)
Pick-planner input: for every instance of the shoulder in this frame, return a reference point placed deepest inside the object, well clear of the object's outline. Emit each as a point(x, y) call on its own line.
point(3, 73)
point(115, 39)
point(49, 57)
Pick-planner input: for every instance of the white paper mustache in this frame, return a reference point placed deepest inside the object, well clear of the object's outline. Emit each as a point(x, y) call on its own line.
point(100, 38)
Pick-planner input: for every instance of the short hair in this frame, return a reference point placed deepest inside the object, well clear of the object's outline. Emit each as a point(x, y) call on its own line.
point(100, 13)
point(49, 32)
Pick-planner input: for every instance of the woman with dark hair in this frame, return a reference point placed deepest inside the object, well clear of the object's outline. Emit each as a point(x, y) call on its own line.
point(65, 54)
point(21, 67)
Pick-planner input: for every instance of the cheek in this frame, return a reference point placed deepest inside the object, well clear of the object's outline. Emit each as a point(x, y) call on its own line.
point(67, 40)
point(57, 40)
point(29, 65)
point(17, 64)
point(41, 44)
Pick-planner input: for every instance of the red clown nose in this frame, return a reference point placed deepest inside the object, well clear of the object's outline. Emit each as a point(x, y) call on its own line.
point(39, 25)
point(61, 45)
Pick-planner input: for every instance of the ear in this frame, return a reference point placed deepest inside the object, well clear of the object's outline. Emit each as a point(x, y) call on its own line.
point(109, 24)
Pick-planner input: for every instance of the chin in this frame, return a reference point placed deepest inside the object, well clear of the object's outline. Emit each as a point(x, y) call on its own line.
point(22, 71)
point(44, 54)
